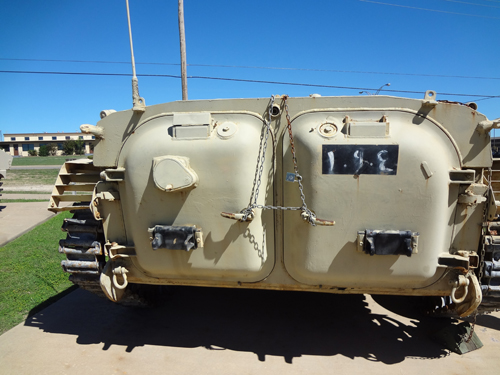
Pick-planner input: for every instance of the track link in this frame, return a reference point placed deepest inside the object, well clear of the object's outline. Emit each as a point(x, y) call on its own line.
point(85, 259)
point(490, 282)
point(83, 248)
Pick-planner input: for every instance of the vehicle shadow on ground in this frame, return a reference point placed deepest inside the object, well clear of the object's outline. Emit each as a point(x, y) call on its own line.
point(267, 323)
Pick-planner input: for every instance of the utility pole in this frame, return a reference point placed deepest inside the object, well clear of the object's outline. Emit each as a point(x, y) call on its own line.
point(182, 37)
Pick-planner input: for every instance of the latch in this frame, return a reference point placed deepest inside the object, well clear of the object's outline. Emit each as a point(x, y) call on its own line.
point(175, 237)
point(315, 221)
point(388, 242)
point(240, 216)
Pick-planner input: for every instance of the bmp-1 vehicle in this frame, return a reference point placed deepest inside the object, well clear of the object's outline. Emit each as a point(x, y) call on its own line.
point(366, 194)
point(5, 163)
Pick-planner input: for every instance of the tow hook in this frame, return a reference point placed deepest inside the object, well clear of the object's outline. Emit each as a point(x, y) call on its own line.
point(461, 281)
point(122, 271)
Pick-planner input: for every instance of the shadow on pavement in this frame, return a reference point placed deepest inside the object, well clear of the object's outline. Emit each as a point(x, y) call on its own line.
point(488, 321)
point(286, 324)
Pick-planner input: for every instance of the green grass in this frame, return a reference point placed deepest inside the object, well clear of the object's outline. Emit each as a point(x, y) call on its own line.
point(30, 272)
point(43, 160)
point(27, 177)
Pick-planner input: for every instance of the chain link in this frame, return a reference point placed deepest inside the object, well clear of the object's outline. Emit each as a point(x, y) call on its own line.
point(266, 129)
point(261, 157)
point(310, 215)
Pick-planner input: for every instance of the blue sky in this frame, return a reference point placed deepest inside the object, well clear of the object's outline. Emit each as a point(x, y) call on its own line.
point(349, 43)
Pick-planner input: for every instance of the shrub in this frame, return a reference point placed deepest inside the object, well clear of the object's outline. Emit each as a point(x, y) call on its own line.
point(79, 147)
point(52, 149)
point(69, 147)
point(32, 152)
point(44, 151)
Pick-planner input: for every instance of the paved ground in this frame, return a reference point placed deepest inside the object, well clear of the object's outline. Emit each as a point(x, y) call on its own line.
point(227, 331)
point(19, 218)
point(25, 196)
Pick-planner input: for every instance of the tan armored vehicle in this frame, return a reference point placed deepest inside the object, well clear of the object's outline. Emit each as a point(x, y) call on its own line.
point(5, 163)
point(367, 194)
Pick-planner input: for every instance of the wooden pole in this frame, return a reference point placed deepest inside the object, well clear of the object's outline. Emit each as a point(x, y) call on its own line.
point(182, 37)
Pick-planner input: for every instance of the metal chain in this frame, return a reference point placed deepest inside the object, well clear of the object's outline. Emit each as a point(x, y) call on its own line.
point(304, 208)
point(266, 129)
point(261, 157)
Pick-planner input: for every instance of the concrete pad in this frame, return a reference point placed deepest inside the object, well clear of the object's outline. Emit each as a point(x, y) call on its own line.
point(229, 331)
point(19, 218)
point(6, 196)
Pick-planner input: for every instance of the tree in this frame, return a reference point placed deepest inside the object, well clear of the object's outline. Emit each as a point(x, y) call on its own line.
point(52, 149)
point(79, 147)
point(43, 151)
point(69, 147)
point(46, 150)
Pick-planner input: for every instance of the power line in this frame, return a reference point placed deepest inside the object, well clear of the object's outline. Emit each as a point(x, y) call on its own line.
point(260, 67)
point(475, 4)
point(245, 80)
point(429, 10)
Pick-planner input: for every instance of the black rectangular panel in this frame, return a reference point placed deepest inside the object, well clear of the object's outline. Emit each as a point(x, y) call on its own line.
point(360, 159)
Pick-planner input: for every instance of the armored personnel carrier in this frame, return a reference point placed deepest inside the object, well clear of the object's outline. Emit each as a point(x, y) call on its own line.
point(5, 163)
point(366, 194)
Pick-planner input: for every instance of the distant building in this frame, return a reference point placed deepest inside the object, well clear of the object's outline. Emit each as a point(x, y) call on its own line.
point(19, 144)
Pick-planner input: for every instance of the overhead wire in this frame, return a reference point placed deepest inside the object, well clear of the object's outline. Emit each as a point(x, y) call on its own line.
point(485, 97)
point(429, 10)
point(259, 67)
point(475, 4)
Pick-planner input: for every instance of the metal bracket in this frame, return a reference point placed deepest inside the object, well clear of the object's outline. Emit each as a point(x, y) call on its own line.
point(487, 125)
point(238, 216)
point(175, 237)
point(430, 98)
point(314, 220)
point(474, 195)
point(113, 174)
point(96, 131)
point(387, 242)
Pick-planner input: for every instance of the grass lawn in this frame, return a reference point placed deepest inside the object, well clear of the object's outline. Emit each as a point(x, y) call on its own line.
point(43, 160)
point(29, 177)
point(30, 272)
